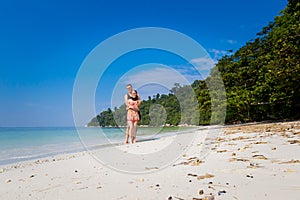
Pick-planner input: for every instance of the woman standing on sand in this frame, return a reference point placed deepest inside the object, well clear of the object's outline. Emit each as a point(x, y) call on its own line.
point(133, 117)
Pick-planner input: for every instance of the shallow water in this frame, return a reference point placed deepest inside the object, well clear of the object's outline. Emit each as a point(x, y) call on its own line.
point(19, 144)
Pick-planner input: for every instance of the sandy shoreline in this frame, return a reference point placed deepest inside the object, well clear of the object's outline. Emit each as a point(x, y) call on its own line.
point(243, 162)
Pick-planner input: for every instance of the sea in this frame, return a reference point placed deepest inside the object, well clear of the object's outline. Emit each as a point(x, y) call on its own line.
point(29, 143)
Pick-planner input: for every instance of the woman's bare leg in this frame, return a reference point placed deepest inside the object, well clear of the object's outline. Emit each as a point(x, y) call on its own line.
point(127, 133)
point(134, 132)
point(130, 124)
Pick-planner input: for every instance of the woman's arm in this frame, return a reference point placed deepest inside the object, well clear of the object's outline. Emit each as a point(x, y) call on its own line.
point(139, 102)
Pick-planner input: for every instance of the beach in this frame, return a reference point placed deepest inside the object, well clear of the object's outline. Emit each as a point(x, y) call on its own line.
point(249, 161)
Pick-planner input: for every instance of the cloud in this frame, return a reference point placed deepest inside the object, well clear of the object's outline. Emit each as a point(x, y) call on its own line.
point(204, 63)
point(217, 54)
point(231, 41)
point(161, 75)
point(150, 79)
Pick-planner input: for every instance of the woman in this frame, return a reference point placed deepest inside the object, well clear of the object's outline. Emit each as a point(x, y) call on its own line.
point(133, 115)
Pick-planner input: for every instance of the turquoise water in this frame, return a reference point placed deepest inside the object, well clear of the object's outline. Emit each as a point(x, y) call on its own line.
point(19, 144)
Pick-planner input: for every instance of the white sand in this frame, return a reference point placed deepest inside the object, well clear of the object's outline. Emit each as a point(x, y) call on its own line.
point(244, 162)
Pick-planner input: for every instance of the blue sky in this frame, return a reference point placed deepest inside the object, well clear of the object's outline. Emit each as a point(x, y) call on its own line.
point(43, 44)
